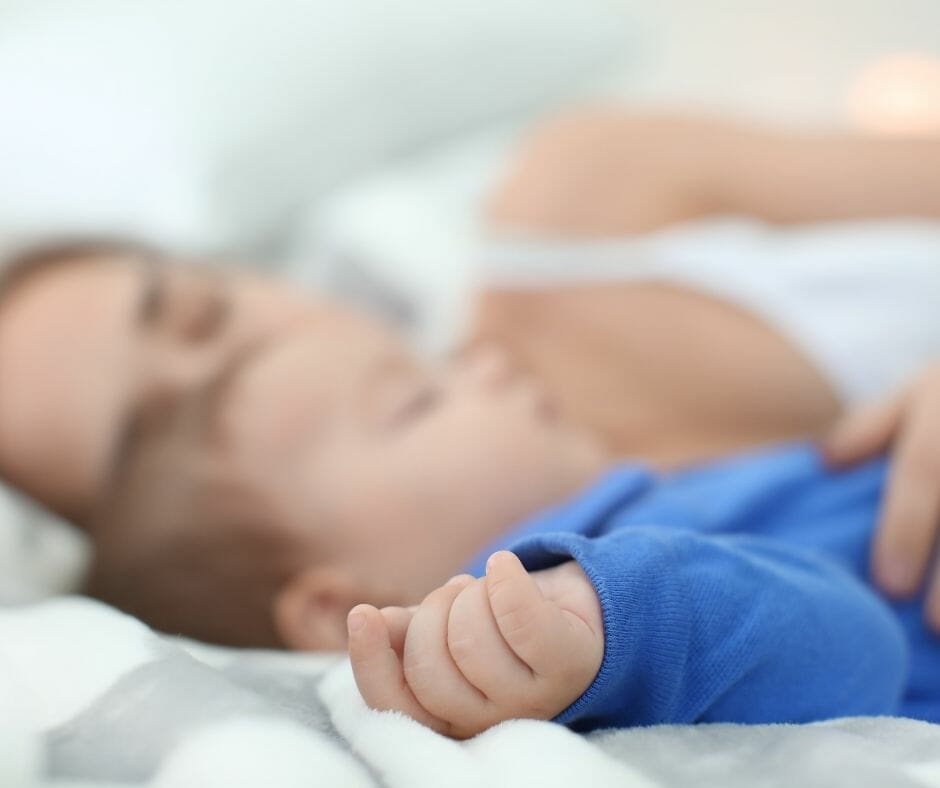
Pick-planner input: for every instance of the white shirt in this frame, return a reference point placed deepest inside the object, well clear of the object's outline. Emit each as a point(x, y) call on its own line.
point(860, 299)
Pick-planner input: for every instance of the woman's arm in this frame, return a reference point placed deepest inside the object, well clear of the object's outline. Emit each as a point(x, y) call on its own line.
point(815, 177)
point(603, 172)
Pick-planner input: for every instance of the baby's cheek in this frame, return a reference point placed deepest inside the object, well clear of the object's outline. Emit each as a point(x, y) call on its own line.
point(266, 422)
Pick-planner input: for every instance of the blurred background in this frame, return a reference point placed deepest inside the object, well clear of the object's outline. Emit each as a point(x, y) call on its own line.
point(350, 142)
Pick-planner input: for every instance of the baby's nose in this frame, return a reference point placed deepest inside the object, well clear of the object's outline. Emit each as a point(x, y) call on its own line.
point(490, 364)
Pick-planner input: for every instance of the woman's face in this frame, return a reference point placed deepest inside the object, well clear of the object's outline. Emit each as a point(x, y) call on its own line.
point(94, 349)
point(323, 409)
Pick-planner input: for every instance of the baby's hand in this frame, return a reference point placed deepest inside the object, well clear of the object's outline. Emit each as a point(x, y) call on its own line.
point(476, 652)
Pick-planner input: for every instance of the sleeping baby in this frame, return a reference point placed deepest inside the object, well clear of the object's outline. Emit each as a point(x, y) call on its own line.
point(259, 468)
point(733, 592)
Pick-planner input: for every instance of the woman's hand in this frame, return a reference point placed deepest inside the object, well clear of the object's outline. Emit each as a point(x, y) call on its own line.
point(476, 652)
point(909, 524)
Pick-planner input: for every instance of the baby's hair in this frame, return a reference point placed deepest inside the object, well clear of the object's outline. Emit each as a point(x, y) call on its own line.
point(192, 549)
point(186, 582)
point(202, 572)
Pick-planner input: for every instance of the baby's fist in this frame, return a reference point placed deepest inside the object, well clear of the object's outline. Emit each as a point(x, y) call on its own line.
point(552, 621)
point(477, 652)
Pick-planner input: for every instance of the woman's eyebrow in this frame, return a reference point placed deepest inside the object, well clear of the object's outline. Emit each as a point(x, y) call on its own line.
point(152, 294)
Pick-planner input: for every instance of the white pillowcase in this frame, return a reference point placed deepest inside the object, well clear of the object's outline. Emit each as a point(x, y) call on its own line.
point(203, 123)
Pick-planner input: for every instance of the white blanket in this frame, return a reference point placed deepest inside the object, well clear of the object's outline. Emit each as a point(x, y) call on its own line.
point(89, 696)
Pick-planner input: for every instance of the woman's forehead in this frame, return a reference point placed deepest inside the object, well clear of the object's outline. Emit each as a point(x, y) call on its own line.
point(64, 341)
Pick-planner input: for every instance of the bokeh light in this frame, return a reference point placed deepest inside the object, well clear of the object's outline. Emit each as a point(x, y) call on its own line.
point(897, 95)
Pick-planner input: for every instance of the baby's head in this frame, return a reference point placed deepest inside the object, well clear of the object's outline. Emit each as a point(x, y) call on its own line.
point(250, 463)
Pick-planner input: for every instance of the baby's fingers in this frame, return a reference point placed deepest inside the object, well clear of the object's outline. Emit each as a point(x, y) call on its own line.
point(553, 642)
point(482, 654)
point(397, 619)
point(377, 667)
point(433, 677)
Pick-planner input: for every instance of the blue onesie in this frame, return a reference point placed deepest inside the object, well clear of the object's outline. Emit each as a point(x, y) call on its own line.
point(737, 592)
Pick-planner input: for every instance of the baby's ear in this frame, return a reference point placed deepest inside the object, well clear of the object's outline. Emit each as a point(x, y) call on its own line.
point(310, 610)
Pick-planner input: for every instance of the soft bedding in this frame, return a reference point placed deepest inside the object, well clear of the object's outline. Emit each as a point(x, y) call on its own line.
point(89, 696)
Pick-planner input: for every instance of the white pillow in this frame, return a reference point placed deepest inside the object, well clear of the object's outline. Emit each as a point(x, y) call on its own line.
point(403, 241)
point(202, 123)
point(39, 554)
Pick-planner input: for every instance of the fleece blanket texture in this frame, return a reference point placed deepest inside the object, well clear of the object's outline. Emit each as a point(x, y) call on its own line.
point(91, 697)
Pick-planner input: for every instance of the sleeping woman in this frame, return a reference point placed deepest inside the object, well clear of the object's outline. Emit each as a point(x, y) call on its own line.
point(252, 463)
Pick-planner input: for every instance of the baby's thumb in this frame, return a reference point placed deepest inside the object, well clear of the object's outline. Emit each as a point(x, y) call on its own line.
point(539, 632)
point(397, 620)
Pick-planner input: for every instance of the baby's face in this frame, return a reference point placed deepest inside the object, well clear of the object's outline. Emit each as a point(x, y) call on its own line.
point(378, 457)
point(419, 466)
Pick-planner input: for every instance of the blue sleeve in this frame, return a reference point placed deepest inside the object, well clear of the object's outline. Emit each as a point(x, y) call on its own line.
point(733, 628)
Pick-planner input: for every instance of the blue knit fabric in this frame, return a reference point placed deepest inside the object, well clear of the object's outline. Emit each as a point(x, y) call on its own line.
point(737, 592)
